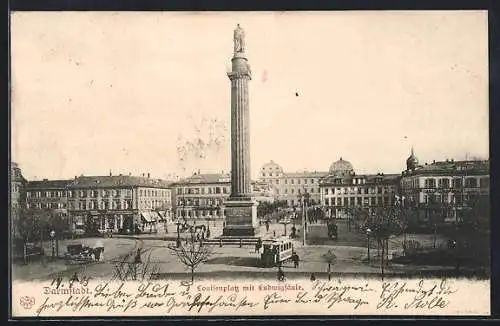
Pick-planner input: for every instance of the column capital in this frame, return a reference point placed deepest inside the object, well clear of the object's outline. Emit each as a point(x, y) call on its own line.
point(239, 75)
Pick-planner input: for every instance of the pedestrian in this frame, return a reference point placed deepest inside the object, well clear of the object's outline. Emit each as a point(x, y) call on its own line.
point(137, 258)
point(258, 245)
point(313, 277)
point(296, 260)
point(281, 274)
point(99, 250)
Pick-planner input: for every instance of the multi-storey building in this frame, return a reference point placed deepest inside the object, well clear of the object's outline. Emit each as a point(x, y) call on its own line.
point(289, 186)
point(445, 189)
point(17, 193)
point(48, 194)
point(111, 202)
point(203, 195)
point(119, 202)
point(342, 189)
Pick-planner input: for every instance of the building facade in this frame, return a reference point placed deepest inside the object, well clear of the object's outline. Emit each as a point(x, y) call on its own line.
point(17, 195)
point(108, 203)
point(119, 202)
point(343, 190)
point(443, 190)
point(202, 196)
point(289, 186)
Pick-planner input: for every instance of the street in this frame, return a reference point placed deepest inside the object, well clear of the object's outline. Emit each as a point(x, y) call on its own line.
point(350, 250)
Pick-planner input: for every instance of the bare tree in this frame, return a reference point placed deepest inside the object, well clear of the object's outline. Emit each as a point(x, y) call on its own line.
point(383, 222)
point(330, 258)
point(192, 253)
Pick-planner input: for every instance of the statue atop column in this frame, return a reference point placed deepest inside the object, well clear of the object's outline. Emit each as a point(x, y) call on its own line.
point(239, 40)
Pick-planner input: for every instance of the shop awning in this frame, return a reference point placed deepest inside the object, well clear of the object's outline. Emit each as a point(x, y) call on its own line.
point(149, 216)
point(159, 216)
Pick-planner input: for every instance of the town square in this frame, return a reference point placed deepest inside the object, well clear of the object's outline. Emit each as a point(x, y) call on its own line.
point(318, 174)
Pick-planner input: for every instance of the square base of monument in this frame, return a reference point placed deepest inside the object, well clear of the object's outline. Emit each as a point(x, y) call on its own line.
point(241, 218)
point(240, 232)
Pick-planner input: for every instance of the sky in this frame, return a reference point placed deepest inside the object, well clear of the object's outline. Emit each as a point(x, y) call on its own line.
point(147, 92)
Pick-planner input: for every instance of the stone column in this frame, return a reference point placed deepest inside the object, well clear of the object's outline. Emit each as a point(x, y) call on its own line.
point(240, 145)
point(241, 207)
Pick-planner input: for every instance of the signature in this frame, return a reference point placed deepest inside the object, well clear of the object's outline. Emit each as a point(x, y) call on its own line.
point(423, 296)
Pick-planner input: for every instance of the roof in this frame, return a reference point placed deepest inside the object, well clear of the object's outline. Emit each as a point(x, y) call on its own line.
point(306, 174)
point(47, 184)
point(206, 178)
point(117, 180)
point(341, 167)
point(452, 167)
point(369, 179)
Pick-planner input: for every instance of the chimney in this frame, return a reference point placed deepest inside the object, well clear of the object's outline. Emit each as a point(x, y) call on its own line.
point(76, 177)
point(143, 175)
point(149, 175)
point(433, 161)
point(110, 174)
point(130, 174)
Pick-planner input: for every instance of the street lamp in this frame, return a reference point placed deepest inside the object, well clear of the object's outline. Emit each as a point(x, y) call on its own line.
point(304, 198)
point(53, 242)
point(178, 243)
point(368, 233)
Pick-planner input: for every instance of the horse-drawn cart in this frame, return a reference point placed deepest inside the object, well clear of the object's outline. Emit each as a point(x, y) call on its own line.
point(79, 254)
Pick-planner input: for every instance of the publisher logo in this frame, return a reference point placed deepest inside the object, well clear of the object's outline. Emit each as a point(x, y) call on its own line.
point(27, 302)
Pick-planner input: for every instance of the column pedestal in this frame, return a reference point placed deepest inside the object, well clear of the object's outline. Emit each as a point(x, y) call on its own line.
point(241, 218)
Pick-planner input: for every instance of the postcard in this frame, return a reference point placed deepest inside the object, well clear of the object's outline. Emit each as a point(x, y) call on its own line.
point(249, 164)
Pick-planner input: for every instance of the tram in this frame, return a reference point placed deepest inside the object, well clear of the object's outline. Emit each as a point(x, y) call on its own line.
point(276, 252)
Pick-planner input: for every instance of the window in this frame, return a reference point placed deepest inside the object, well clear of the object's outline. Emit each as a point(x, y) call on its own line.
point(457, 183)
point(298, 181)
point(277, 182)
point(484, 182)
point(292, 181)
point(430, 183)
point(471, 183)
point(292, 190)
point(286, 191)
point(286, 181)
point(217, 190)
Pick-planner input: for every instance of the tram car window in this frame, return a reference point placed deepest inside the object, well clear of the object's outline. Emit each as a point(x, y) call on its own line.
point(276, 252)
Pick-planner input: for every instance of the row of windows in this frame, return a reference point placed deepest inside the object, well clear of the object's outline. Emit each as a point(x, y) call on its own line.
point(445, 199)
point(359, 191)
point(47, 205)
point(457, 183)
point(46, 194)
point(358, 201)
point(287, 191)
point(292, 181)
point(201, 213)
point(153, 204)
point(154, 193)
point(104, 204)
point(199, 202)
point(95, 193)
point(203, 190)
